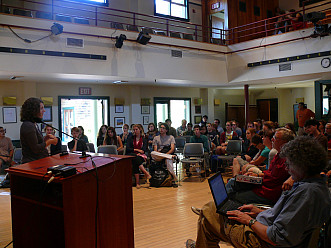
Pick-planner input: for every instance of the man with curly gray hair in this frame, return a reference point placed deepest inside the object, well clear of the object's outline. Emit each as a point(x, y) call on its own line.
point(291, 221)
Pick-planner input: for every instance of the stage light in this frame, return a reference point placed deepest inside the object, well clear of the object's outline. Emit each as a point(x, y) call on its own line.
point(143, 38)
point(57, 29)
point(120, 40)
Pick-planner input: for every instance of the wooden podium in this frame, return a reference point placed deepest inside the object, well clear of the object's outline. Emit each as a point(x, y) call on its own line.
point(62, 213)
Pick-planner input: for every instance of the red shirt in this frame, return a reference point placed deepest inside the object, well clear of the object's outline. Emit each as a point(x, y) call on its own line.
point(273, 180)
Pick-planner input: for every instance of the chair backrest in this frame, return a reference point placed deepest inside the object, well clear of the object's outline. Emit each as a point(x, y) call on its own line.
point(63, 18)
point(188, 138)
point(5, 9)
point(81, 21)
point(43, 15)
point(175, 35)
point(22, 12)
point(180, 142)
point(193, 150)
point(188, 36)
point(130, 27)
point(17, 157)
point(234, 146)
point(64, 148)
point(108, 149)
point(148, 30)
point(160, 33)
point(90, 147)
point(116, 25)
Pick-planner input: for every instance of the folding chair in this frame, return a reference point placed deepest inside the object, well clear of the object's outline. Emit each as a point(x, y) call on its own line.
point(194, 156)
point(108, 149)
point(90, 147)
point(233, 148)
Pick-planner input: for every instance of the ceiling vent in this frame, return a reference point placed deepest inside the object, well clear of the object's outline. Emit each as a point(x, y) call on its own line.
point(176, 53)
point(285, 67)
point(72, 42)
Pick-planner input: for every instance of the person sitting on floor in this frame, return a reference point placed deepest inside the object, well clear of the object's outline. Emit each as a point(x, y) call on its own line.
point(163, 147)
point(137, 146)
point(290, 222)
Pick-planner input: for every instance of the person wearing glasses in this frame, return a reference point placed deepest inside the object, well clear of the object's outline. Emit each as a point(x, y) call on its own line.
point(291, 221)
point(6, 149)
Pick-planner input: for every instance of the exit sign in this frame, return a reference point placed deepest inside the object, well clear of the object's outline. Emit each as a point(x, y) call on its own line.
point(85, 91)
point(215, 5)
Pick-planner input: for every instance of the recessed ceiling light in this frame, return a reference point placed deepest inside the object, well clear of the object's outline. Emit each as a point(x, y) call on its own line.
point(119, 82)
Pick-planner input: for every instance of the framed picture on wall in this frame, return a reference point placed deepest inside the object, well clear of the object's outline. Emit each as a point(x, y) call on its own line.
point(119, 121)
point(145, 109)
point(197, 119)
point(198, 109)
point(145, 120)
point(48, 114)
point(119, 109)
point(9, 115)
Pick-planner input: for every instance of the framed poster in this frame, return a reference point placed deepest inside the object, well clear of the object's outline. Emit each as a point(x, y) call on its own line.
point(48, 114)
point(119, 121)
point(119, 109)
point(145, 109)
point(145, 120)
point(198, 109)
point(9, 115)
point(197, 119)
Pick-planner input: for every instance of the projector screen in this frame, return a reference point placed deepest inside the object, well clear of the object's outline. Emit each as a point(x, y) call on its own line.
point(98, 2)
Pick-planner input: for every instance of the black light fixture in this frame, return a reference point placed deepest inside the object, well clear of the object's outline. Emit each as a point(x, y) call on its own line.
point(120, 40)
point(143, 38)
point(56, 28)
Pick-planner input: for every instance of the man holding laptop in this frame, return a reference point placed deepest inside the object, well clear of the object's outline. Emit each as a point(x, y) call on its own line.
point(290, 222)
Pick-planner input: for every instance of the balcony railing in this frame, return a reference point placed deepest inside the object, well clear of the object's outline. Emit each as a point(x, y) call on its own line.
point(100, 16)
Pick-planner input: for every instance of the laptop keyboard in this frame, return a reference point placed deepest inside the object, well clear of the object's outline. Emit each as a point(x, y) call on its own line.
point(230, 205)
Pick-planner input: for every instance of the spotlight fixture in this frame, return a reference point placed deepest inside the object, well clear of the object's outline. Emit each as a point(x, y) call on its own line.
point(143, 38)
point(57, 28)
point(120, 40)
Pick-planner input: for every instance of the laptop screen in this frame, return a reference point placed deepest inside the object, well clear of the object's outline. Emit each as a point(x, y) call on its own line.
point(217, 188)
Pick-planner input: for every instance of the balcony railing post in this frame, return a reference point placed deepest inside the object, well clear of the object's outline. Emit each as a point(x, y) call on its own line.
point(134, 19)
point(96, 16)
point(167, 27)
point(265, 27)
point(196, 32)
point(52, 9)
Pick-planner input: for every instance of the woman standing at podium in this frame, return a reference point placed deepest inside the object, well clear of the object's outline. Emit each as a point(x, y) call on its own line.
point(32, 141)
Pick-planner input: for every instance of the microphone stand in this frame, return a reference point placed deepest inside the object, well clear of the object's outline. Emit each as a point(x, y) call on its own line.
point(84, 155)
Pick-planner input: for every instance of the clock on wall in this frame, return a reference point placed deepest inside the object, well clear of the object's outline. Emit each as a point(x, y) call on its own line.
point(326, 62)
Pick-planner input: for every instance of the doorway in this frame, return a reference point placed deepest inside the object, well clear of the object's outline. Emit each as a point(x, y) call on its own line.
point(88, 112)
point(217, 27)
point(267, 109)
point(175, 109)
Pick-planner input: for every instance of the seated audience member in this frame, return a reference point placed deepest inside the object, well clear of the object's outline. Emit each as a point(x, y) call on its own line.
point(151, 133)
point(137, 146)
point(189, 131)
point(76, 144)
point(6, 149)
point(53, 149)
point(268, 132)
point(328, 134)
point(321, 126)
point(229, 134)
point(125, 134)
point(163, 148)
point(311, 128)
point(180, 130)
point(82, 136)
point(280, 26)
point(290, 222)
point(212, 135)
point(249, 150)
point(291, 127)
point(204, 121)
point(101, 134)
point(219, 128)
point(250, 125)
point(172, 131)
point(111, 138)
point(235, 128)
point(261, 158)
point(296, 21)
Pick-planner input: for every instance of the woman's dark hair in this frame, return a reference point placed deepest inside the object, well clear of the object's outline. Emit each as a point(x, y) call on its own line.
point(305, 153)
point(155, 129)
point(111, 140)
point(82, 130)
point(291, 126)
point(166, 126)
point(256, 139)
point(30, 109)
point(100, 131)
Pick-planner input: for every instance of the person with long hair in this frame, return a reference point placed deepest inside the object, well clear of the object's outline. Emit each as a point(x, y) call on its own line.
point(101, 134)
point(111, 138)
point(137, 146)
point(82, 136)
point(290, 126)
point(151, 133)
point(32, 141)
point(126, 134)
point(76, 144)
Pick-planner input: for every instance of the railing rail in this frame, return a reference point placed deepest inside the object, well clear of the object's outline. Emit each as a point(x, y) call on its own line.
point(104, 16)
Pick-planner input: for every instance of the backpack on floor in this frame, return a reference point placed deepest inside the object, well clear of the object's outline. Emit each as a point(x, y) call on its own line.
point(160, 175)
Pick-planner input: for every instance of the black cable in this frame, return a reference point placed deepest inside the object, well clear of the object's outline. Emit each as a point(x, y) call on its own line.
point(82, 162)
point(96, 204)
point(27, 40)
point(8, 244)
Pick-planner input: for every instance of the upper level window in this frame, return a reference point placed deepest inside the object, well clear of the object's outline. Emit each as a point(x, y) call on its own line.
point(98, 2)
point(172, 8)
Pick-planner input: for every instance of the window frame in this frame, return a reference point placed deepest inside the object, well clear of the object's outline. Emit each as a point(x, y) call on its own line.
point(174, 17)
point(106, 2)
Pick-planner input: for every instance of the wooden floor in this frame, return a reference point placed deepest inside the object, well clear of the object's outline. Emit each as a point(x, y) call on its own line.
point(162, 216)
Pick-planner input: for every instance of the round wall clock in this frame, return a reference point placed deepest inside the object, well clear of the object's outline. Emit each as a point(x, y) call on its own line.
point(326, 62)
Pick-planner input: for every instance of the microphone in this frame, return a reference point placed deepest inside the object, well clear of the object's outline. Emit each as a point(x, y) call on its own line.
point(84, 155)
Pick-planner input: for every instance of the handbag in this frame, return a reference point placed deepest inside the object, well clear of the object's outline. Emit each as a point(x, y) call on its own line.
point(166, 149)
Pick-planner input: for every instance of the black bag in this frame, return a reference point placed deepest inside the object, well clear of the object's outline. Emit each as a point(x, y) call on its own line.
point(160, 175)
point(166, 149)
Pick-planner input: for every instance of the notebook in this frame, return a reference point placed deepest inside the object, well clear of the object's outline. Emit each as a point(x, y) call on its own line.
point(221, 198)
